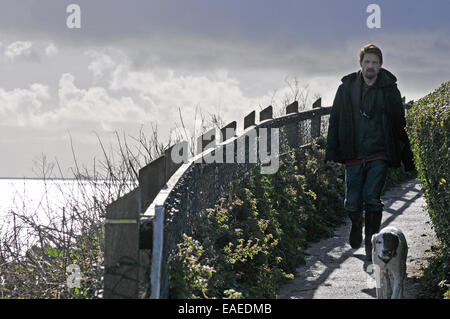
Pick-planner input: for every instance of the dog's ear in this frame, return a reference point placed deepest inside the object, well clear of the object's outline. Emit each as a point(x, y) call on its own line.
point(374, 239)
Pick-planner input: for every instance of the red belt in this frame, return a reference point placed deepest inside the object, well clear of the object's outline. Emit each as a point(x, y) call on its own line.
point(359, 161)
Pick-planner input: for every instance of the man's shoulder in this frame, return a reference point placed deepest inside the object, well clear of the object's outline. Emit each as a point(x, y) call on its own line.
point(386, 79)
point(350, 77)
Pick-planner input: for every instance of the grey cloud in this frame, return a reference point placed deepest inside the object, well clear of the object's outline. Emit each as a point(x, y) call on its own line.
point(20, 51)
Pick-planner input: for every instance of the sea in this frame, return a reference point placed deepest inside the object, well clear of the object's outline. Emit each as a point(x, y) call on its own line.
point(45, 200)
point(30, 195)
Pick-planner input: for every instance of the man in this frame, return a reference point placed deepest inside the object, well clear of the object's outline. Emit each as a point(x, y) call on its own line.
point(366, 133)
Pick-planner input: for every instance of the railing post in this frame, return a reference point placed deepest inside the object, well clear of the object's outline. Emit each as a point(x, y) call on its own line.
point(122, 247)
point(228, 131)
point(294, 140)
point(266, 114)
point(249, 120)
point(316, 120)
point(171, 165)
point(249, 140)
point(152, 179)
point(229, 151)
point(206, 141)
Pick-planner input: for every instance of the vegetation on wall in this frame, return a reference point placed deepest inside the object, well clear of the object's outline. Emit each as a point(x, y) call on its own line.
point(254, 239)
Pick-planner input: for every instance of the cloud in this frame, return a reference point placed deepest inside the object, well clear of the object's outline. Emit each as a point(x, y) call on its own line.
point(51, 50)
point(20, 50)
point(101, 63)
point(95, 104)
point(19, 106)
point(73, 108)
point(163, 91)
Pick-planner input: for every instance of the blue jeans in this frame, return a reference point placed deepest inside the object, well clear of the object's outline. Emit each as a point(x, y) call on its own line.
point(363, 185)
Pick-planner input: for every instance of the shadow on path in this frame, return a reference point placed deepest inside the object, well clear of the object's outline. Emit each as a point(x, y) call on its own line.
point(324, 257)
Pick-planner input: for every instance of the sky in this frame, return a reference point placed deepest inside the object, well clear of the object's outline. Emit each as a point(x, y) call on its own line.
point(136, 65)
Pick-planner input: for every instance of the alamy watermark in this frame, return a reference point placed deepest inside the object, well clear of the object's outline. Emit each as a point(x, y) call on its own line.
point(74, 19)
point(373, 280)
point(374, 19)
point(74, 278)
point(259, 150)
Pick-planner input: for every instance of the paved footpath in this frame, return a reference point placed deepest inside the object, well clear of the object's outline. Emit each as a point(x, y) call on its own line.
point(334, 270)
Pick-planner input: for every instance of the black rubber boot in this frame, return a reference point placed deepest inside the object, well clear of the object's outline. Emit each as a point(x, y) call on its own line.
point(355, 238)
point(372, 226)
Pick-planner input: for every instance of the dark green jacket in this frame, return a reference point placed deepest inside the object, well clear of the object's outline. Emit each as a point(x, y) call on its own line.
point(343, 129)
point(369, 133)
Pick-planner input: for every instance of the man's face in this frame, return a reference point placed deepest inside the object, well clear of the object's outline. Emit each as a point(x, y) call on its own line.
point(370, 65)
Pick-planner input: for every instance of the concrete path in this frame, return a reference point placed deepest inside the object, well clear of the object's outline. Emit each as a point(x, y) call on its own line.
point(334, 270)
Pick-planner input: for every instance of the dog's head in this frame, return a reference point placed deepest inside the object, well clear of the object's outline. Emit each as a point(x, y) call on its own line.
point(385, 245)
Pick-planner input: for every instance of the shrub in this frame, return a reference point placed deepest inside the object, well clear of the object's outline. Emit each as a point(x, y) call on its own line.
point(428, 127)
point(253, 239)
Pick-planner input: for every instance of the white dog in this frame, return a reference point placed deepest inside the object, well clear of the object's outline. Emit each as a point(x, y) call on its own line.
point(389, 251)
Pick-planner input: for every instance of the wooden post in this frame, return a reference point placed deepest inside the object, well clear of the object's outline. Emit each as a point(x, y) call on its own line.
point(316, 120)
point(291, 129)
point(171, 165)
point(206, 141)
point(249, 120)
point(228, 131)
point(248, 140)
point(152, 179)
point(122, 247)
point(266, 114)
point(292, 108)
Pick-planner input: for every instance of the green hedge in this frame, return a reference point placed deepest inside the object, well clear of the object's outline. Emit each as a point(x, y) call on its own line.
point(428, 127)
point(254, 239)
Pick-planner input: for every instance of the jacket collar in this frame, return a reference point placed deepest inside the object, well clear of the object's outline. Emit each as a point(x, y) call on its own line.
point(385, 78)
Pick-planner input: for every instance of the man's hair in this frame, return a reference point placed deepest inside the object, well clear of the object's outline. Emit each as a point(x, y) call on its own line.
point(370, 48)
